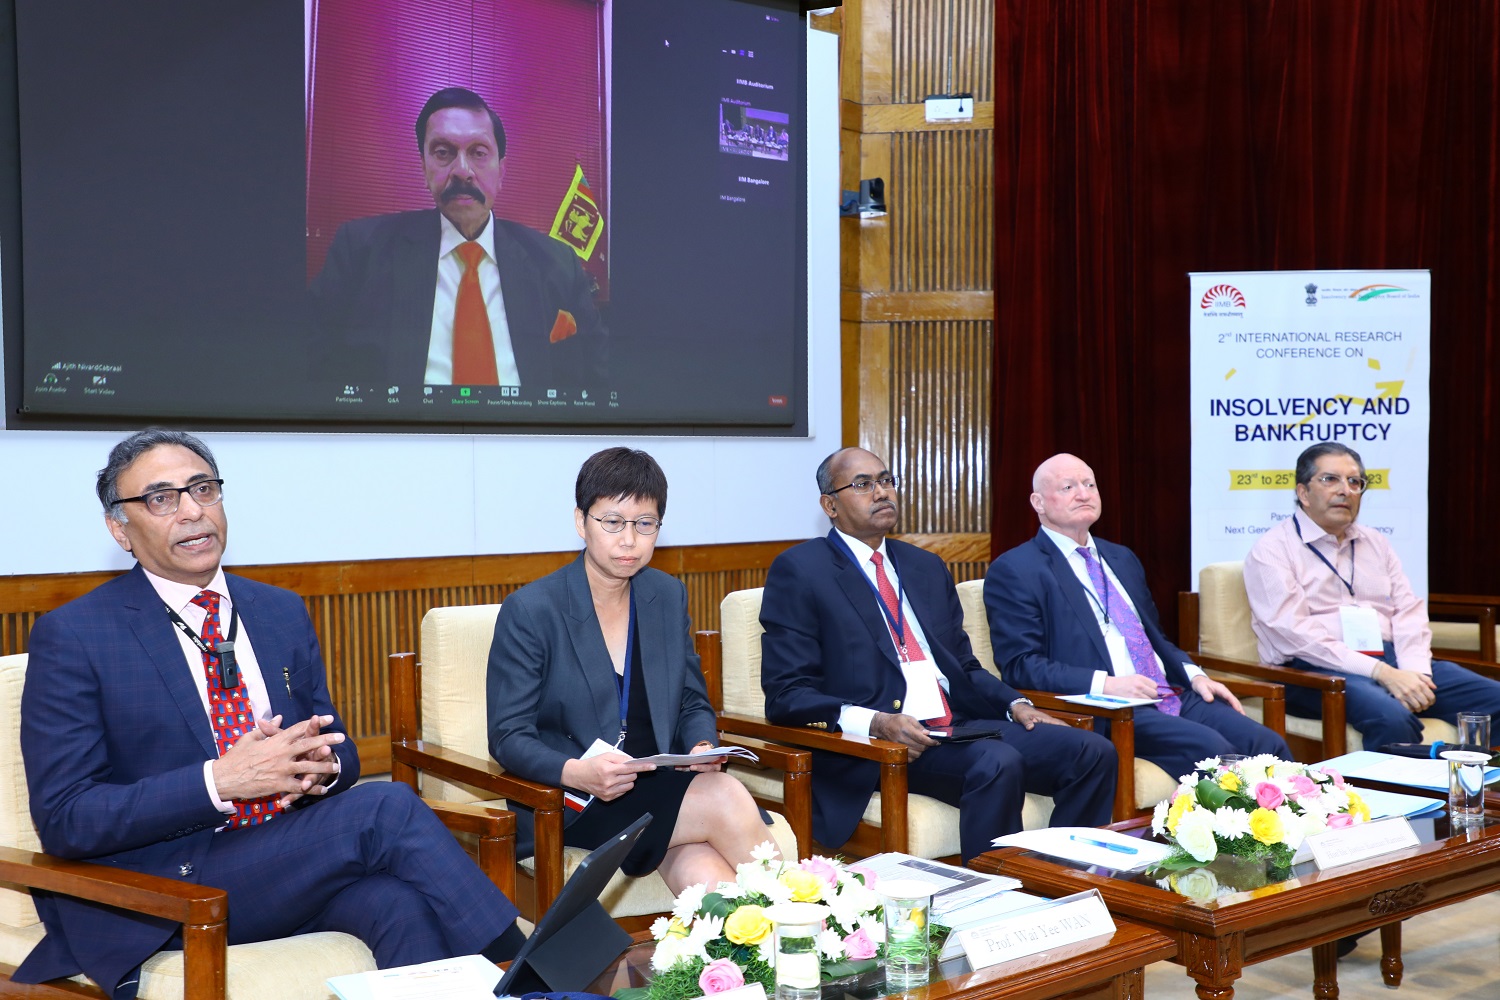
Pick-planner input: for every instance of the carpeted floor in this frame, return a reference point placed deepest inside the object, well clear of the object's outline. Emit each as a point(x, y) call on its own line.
point(1450, 954)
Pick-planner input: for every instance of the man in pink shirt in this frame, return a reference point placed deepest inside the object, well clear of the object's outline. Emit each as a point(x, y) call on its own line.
point(1329, 595)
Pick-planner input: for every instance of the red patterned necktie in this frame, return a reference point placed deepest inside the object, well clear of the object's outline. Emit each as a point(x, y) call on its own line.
point(906, 643)
point(1137, 643)
point(473, 341)
point(229, 711)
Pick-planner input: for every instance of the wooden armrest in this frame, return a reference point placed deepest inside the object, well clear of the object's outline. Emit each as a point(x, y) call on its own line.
point(451, 765)
point(864, 747)
point(170, 899)
point(1281, 675)
point(1269, 690)
point(1054, 705)
point(1464, 600)
point(496, 831)
point(772, 756)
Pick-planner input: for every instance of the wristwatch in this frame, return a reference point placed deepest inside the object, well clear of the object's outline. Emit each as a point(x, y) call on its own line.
point(1010, 712)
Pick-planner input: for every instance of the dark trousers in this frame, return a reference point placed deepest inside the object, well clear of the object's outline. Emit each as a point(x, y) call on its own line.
point(988, 780)
point(1204, 729)
point(373, 862)
point(1380, 719)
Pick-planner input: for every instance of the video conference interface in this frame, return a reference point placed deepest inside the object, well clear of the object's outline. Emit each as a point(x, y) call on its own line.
point(169, 268)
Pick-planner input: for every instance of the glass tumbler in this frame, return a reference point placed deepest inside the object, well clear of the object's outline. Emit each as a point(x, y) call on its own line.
point(908, 906)
point(799, 973)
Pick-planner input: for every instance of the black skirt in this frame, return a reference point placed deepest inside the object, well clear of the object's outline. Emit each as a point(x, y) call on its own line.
point(659, 793)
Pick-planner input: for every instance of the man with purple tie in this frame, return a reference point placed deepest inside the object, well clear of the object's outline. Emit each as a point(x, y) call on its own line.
point(1072, 614)
point(864, 635)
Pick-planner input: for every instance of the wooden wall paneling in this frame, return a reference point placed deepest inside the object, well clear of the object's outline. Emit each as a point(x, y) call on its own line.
point(942, 47)
point(874, 377)
point(867, 66)
point(942, 225)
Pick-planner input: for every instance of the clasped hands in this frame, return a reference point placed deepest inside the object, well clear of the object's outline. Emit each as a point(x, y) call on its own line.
point(269, 760)
point(912, 733)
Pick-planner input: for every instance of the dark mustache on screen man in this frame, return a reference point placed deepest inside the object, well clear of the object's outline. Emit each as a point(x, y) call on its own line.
point(457, 187)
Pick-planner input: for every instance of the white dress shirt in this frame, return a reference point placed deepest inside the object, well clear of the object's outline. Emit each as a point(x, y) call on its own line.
point(1114, 641)
point(179, 597)
point(920, 674)
point(449, 272)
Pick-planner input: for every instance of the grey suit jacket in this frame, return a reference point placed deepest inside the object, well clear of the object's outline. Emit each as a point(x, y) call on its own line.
point(551, 686)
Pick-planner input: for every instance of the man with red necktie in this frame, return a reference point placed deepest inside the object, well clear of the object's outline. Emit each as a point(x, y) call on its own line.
point(176, 721)
point(1071, 613)
point(864, 635)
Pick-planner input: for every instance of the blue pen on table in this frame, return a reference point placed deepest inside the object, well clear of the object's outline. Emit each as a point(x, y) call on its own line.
point(1121, 848)
point(1112, 701)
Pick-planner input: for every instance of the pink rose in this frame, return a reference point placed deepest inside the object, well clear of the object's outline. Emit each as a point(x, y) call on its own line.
point(1302, 786)
point(858, 945)
point(823, 869)
point(1339, 821)
point(1338, 779)
point(719, 975)
point(1269, 796)
point(867, 874)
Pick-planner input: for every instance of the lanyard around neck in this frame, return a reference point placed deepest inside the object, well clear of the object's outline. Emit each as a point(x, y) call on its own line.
point(1349, 583)
point(229, 670)
point(897, 621)
point(625, 680)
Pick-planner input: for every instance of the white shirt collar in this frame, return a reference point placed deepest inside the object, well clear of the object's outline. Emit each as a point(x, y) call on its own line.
point(451, 238)
point(862, 552)
point(1311, 532)
point(1066, 544)
point(178, 596)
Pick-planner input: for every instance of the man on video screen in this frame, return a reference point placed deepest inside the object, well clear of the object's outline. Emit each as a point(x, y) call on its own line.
point(453, 295)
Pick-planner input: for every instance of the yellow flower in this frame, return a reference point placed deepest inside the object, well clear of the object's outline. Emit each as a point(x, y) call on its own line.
point(747, 925)
point(1229, 781)
point(1357, 808)
point(676, 929)
point(1266, 826)
point(806, 887)
point(1180, 807)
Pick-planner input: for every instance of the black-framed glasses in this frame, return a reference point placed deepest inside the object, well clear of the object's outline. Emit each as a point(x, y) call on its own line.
point(864, 486)
point(1328, 480)
point(205, 493)
point(614, 524)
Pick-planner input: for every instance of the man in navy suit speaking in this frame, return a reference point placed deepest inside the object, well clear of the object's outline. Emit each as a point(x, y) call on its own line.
point(176, 721)
point(452, 295)
point(864, 635)
point(1071, 613)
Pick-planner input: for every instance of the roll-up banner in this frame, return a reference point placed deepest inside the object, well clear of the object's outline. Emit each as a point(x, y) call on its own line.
point(1285, 359)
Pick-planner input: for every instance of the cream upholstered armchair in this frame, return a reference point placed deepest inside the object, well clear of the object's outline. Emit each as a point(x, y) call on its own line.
point(1216, 622)
point(205, 969)
point(440, 746)
point(1141, 784)
point(895, 820)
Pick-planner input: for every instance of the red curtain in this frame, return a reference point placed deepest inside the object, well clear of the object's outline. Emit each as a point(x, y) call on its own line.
point(1136, 142)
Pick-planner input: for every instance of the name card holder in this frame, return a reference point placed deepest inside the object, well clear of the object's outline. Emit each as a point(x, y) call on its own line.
point(1361, 842)
point(1038, 928)
point(750, 991)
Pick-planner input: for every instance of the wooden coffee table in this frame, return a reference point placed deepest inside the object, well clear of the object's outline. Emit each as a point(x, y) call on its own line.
point(1217, 938)
point(1089, 970)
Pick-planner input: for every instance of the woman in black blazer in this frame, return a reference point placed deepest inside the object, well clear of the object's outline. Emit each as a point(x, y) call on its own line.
point(601, 651)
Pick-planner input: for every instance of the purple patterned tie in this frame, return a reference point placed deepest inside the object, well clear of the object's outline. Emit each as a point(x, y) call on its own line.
point(1136, 643)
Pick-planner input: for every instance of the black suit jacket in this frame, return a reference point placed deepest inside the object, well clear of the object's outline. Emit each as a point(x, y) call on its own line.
point(1042, 622)
point(827, 645)
point(114, 737)
point(551, 685)
point(372, 302)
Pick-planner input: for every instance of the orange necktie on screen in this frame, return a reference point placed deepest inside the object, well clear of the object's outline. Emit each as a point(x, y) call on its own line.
point(473, 344)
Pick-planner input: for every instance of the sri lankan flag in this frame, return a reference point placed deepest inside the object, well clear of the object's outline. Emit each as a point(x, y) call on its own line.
point(578, 222)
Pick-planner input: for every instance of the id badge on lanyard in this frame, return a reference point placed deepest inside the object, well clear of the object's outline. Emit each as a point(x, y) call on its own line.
point(1361, 629)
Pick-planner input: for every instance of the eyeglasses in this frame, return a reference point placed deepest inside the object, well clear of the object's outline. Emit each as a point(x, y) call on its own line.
point(1328, 480)
point(614, 524)
point(205, 493)
point(864, 486)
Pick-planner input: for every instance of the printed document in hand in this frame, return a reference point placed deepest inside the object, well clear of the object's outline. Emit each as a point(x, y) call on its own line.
point(470, 977)
point(598, 747)
point(1090, 846)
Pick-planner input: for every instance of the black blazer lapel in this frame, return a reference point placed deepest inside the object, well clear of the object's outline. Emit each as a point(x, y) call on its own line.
point(414, 279)
point(1070, 587)
point(591, 653)
point(520, 287)
point(661, 692)
point(148, 620)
